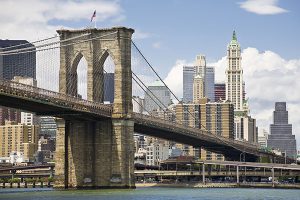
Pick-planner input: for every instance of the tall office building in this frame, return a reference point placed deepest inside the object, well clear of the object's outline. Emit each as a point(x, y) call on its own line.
point(281, 136)
point(220, 91)
point(109, 87)
point(188, 80)
point(244, 125)
point(208, 75)
point(234, 74)
point(161, 92)
point(245, 129)
point(210, 83)
point(198, 88)
point(15, 65)
point(48, 126)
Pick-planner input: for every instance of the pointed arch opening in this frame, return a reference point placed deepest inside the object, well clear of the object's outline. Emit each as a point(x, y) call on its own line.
point(107, 64)
point(78, 82)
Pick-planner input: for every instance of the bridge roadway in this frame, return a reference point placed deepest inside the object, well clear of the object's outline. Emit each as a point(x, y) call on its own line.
point(45, 102)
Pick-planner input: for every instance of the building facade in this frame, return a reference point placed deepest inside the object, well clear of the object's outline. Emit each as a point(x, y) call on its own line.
point(157, 96)
point(15, 137)
point(220, 91)
point(245, 129)
point(137, 104)
point(210, 83)
point(48, 126)
point(215, 117)
point(281, 136)
point(156, 152)
point(188, 80)
point(198, 88)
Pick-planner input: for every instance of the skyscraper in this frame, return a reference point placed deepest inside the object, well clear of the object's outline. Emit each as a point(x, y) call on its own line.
point(281, 136)
point(15, 65)
point(198, 88)
point(188, 80)
point(234, 74)
point(157, 96)
point(207, 74)
point(210, 83)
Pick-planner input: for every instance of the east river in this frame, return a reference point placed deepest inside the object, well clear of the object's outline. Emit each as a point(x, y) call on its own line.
point(152, 193)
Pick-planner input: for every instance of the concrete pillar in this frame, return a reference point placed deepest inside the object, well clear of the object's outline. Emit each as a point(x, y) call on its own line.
point(61, 166)
point(203, 173)
point(237, 175)
point(122, 165)
point(273, 182)
point(51, 172)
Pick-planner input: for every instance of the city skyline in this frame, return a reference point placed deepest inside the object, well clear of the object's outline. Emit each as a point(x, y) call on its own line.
point(270, 64)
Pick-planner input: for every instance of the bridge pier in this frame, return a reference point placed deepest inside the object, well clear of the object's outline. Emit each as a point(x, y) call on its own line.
point(94, 154)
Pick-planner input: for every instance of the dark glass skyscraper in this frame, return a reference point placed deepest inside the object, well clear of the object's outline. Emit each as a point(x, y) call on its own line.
point(15, 64)
point(281, 136)
point(109, 87)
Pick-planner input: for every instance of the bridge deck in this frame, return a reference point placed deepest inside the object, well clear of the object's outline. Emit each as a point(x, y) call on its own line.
point(45, 102)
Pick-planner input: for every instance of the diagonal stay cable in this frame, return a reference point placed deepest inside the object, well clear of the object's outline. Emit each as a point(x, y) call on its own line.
point(214, 135)
point(152, 93)
point(24, 44)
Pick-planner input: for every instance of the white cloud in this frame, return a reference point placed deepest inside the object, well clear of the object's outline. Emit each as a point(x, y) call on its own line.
point(262, 7)
point(156, 45)
point(37, 19)
point(138, 34)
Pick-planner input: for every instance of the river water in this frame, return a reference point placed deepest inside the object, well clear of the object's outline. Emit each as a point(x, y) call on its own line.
point(152, 193)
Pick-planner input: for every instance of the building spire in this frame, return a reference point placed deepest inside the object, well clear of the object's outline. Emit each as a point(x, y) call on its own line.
point(234, 36)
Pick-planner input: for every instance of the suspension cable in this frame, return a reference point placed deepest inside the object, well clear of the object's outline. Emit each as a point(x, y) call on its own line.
point(56, 47)
point(24, 44)
point(47, 44)
point(153, 94)
point(147, 93)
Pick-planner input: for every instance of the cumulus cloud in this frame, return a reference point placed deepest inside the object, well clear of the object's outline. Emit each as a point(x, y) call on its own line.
point(156, 45)
point(37, 19)
point(138, 34)
point(262, 7)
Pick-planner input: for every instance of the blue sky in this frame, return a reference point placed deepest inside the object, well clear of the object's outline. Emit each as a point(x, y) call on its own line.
point(186, 28)
point(171, 33)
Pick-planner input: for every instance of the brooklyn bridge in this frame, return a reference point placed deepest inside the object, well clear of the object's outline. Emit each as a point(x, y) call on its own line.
point(94, 141)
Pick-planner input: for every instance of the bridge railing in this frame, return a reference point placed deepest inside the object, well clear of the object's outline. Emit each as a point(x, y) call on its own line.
point(32, 92)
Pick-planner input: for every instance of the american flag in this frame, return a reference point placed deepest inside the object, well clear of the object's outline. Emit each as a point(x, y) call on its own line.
point(94, 15)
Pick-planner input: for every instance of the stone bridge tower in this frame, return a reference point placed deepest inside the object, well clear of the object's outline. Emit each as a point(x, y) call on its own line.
point(94, 153)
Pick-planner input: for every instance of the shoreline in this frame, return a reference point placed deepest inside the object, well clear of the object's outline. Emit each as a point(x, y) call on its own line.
point(219, 185)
